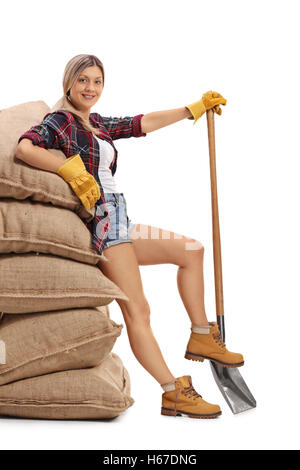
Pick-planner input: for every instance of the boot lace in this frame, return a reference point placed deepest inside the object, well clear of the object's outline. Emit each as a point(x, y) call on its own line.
point(217, 337)
point(191, 392)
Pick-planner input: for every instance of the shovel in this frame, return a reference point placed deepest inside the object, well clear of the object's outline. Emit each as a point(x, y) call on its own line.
point(229, 381)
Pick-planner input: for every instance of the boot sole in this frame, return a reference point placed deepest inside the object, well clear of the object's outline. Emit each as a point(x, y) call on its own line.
point(198, 357)
point(170, 412)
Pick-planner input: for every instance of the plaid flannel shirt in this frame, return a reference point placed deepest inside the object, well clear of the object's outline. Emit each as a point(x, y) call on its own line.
point(62, 130)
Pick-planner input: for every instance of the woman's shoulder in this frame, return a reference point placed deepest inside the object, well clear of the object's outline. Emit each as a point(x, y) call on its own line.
point(96, 119)
point(60, 116)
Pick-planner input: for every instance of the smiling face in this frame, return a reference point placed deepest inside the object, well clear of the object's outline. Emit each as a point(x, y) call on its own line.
point(87, 89)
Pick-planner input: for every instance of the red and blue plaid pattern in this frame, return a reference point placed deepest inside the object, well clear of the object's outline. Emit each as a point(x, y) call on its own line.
point(61, 130)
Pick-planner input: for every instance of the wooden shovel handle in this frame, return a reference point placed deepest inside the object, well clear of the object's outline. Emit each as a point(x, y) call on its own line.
point(215, 215)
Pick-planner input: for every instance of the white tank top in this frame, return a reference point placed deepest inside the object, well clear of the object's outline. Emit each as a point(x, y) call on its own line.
point(107, 154)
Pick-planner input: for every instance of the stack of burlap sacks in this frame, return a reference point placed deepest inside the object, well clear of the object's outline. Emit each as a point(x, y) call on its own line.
point(56, 336)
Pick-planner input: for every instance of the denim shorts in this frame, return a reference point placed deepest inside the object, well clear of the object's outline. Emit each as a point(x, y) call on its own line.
point(121, 225)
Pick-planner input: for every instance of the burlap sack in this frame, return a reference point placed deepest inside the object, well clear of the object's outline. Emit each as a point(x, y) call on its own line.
point(39, 283)
point(103, 309)
point(100, 392)
point(27, 226)
point(19, 180)
point(40, 343)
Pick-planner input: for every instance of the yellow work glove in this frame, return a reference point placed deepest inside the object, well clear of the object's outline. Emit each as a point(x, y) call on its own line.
point(210, 100)
point(81, 181)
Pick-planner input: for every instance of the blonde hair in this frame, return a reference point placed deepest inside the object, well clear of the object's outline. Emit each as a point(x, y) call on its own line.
point(72, 71)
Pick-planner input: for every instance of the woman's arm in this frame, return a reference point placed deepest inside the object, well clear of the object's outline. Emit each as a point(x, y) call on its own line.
point(71, 170)
point(152, 121)
point(37, 156)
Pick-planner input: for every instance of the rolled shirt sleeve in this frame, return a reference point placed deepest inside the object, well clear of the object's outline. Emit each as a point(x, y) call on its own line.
point(124, 127)
point(52, 132)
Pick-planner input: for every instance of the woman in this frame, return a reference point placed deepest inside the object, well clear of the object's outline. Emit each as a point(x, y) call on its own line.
point(87, 141)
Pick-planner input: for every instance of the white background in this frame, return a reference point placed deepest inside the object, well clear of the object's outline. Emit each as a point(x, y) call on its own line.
point(161, 55)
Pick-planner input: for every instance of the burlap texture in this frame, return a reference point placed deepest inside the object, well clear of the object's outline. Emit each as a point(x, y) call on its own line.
point(41, 343)
point(19, 180)
point(34, 282)
point(99, 392)
point(103, 309)
point(27, 226)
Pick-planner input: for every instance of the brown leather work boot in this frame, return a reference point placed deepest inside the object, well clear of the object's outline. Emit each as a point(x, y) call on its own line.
point(180, 398)
point(206, 343)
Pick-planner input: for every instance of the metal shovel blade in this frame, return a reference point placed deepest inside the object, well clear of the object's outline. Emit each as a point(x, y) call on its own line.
point(233, 388)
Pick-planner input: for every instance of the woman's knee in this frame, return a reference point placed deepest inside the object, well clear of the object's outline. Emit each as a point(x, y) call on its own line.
point(135, 311)
point(193, 246)
point(193, 252)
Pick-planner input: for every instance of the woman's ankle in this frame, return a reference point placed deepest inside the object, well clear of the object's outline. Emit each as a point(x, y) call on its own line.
point(200, 327)
point(168, 385)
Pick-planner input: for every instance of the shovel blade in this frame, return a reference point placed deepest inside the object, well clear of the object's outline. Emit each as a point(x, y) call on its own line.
point(233, 388)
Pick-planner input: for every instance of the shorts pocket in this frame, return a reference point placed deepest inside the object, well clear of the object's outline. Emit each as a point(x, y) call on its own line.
point(112, 206)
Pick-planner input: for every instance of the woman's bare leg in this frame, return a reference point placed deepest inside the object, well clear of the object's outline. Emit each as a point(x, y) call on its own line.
point(154, 245)
point(122, 269)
